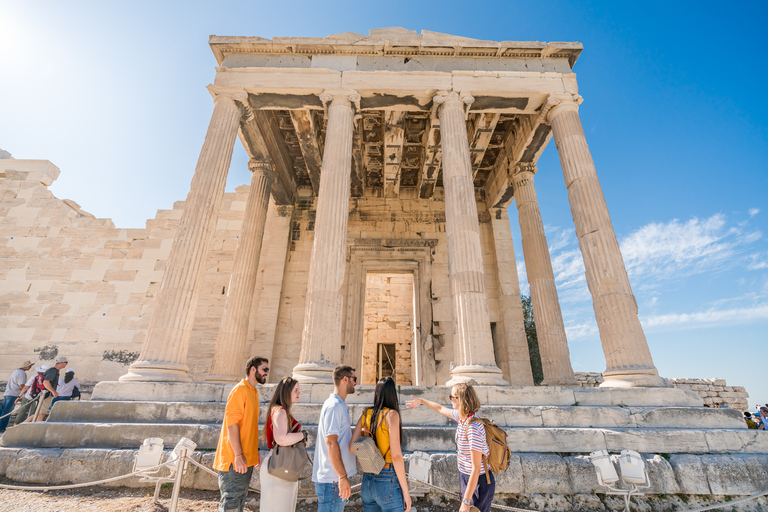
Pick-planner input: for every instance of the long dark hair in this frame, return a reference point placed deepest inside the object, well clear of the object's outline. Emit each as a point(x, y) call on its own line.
point(68, 377)
point(385, 396)
point(282, 398)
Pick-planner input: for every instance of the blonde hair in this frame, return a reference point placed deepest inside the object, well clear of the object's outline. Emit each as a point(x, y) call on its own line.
point(469, 403)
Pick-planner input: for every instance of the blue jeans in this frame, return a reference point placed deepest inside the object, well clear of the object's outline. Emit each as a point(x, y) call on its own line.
point(382, 493)
point(6, 408)
point(328, 499)
point(234, 488)
point(59, 399)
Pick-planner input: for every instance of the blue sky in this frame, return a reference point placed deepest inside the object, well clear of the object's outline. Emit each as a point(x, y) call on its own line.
point(674, 113)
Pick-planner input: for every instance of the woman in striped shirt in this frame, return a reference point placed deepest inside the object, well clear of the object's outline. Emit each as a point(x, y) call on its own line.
point(471, 445)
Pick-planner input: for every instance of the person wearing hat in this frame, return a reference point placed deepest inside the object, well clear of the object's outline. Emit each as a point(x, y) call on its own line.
point(50, 382)
point(34, 384)
point(67, 387)
point(12, 392)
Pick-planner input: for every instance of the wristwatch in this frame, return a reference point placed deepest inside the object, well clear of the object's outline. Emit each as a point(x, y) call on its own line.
point(464, 501)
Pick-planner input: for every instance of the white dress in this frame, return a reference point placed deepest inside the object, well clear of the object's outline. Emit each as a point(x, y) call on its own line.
point(277, 495)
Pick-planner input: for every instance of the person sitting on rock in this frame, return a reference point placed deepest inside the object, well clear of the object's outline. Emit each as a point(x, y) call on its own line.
point(68, 386)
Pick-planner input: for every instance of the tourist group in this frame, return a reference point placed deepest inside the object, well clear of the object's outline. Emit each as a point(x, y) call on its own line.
point(338, 447)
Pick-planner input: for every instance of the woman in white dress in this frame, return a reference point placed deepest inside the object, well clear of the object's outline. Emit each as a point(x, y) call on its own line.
point(278, 495)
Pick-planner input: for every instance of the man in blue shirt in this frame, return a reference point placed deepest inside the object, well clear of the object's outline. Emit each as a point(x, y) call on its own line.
point(12, 391)
point(334, 463)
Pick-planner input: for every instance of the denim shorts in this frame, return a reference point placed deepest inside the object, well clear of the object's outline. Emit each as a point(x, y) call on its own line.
point(382, 493)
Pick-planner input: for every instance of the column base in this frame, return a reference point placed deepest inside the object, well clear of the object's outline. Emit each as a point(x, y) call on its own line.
point(477, 375)
point(151, 371)
point(222, 379)
point(561, 382)
point(638, 378)
point(314, 373)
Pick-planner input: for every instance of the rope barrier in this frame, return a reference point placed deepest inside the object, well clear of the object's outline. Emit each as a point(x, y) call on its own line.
point(87, 484)
point(28, 403)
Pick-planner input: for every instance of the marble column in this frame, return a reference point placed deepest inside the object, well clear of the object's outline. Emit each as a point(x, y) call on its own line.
point(550, 330)
point(228, 357)
point(472, 342)
point(512, 354)
point(164, 353)
point(627, 355)
point(322, 336)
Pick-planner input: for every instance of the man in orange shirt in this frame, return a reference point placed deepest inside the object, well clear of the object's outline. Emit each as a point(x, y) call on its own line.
point(238, 450)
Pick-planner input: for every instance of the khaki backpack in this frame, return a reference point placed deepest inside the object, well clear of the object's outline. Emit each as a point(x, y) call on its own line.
point(496, 437)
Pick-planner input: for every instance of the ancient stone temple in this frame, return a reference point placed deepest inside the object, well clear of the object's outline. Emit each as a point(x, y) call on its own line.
point(396, 153)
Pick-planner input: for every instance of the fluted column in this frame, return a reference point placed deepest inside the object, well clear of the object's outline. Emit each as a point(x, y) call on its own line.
point(628, 358)
point(472, 342)
point(164, 353)
point(513, 356)
point(321, 337)
point(228, 356)
point(550, 330)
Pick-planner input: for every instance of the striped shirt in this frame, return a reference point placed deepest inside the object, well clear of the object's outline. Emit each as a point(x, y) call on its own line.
point(466, 442)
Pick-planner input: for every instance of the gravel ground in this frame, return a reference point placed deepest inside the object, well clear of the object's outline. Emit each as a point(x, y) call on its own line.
point(98, 499)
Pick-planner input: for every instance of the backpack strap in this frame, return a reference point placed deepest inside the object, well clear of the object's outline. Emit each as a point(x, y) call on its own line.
point(484, 458)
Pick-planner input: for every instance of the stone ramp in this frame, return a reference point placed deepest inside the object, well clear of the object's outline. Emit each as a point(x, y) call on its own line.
point(506, 415)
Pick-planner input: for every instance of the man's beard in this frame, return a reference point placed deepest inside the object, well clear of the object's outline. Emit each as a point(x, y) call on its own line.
point(261, 379)
point(350, 390)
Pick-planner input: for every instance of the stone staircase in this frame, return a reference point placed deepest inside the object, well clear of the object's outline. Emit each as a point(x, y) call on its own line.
point(550, 429)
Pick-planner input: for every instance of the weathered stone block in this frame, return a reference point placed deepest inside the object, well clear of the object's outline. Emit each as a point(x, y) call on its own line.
point(544, 473)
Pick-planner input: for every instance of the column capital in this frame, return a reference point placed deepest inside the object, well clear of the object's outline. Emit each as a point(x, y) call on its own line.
point(556, 104)
point(453, 99)
point(236, 99)
point(344, 98)
point(524, 167)
point(263, 167)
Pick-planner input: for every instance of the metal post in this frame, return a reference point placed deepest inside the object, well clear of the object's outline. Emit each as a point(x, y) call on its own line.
point(177, 481)
point(157, 491)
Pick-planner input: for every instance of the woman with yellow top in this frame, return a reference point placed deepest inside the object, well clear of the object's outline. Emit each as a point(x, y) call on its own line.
point(387, 491)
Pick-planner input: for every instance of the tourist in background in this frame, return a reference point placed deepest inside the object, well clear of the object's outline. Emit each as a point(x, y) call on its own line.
point(29, 392)
point(280, 428)
point(67, 387)
point(12, 392)
point(763, 419)
point(238, 450)
point(334, 463)
point(387, 491)
point(751, 424)
point(471, 446)
point(50, 382)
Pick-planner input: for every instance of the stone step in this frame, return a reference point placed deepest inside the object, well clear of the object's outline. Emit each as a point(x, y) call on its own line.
point(430, 439)
point(490, 395)
point(528, 473)
point(503, 415)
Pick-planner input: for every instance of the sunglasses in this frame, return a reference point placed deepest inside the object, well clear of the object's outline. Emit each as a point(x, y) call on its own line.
point(453, 397)
point(265, 369)
point(353, 377)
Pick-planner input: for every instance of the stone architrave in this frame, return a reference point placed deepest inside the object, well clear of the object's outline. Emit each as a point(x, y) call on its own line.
point(321, 337)
point(473, 345)
point(550, 330)
point(228, 364)
point(164, 353)
point(513, 356)
point(627, 355)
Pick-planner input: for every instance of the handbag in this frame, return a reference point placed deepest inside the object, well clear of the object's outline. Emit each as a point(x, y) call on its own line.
point(368, 454)
point(287, 462)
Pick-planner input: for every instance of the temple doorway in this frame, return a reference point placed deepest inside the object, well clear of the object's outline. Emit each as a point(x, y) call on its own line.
point(389, 327)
